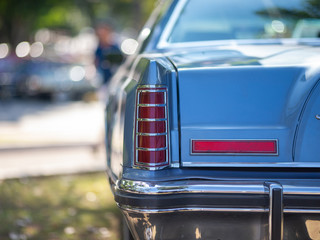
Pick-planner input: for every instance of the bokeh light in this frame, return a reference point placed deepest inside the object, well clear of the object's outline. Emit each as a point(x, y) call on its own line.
point(36, 49)
point(278, 26)
point(129, 46)
point(77, 73)
point(4, 50)
point(42, 35)
point(23, 49)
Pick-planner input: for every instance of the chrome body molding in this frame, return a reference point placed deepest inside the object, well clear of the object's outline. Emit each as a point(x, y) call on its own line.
point(253, 164)
point(195, 209)
point(205, 186)
point(175, 165)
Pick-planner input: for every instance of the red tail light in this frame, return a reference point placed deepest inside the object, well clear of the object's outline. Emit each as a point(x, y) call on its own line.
point(261, 147)
point(151, 128)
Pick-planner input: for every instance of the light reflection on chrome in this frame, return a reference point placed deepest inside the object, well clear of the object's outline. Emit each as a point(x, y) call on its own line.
point(198, 233)
point(205, 186)
point(193, 209)
point(313, 228)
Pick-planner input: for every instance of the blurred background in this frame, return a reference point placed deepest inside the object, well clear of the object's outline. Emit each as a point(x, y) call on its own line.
point(53, 80)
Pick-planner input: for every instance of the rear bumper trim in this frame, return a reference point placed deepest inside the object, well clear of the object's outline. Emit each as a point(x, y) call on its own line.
point(195, 209)
point(216, 187)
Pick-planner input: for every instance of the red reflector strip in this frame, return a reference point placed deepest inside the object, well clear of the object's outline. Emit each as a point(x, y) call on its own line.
point(235, 146)
point(151, 98)
point(152, 141)
point(152, 126)
point(152, 156)
point(152, 112)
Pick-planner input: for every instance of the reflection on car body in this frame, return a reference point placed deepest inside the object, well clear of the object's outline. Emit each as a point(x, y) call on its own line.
point(211, 127)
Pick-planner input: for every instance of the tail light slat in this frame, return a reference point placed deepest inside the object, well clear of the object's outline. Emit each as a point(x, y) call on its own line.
point(151, 128)
point(155, 158)
point(152, 141)
point(152, 97)
point(152, 112)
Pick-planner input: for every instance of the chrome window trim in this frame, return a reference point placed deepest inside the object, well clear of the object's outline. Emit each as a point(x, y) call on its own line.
point(163, 40)
point(169, 26)
point(207, 186)
point(234, 154)
point(236, 42)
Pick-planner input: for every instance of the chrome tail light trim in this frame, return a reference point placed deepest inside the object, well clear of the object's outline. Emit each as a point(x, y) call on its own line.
point(151, 166)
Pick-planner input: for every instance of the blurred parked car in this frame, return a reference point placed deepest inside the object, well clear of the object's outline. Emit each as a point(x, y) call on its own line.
point(212, 127)
point(47, 78)
point(8, 67)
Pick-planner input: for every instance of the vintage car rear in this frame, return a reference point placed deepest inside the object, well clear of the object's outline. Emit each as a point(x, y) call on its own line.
point(213, 128)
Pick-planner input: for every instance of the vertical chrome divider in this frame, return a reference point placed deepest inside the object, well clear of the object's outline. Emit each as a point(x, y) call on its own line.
point(275, 211)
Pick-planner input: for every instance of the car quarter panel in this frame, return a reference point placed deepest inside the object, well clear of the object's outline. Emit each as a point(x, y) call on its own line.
point(147, 70)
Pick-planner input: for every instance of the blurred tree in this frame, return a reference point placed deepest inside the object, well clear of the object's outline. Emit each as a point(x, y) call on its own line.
point(19, 19)
point(309, 9)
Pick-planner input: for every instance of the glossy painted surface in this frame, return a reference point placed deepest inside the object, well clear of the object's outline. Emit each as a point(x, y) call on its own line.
point(249, 90)
point(308, 134)
point(244, 92)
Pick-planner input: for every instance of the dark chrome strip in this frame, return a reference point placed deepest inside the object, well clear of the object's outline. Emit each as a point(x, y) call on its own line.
point(195, 209)
point(275, 211)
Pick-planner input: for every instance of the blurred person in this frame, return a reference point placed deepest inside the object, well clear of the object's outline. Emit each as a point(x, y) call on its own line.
point(107, 55)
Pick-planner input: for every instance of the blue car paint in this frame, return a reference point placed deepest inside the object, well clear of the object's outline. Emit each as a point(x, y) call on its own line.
point(273, 84)
point(308, 133)
point(290, 91)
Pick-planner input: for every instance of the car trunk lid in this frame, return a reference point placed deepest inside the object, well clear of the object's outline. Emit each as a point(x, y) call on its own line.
point(239, 100)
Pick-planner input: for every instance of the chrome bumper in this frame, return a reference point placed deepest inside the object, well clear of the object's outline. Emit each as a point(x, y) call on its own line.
point(270, 201)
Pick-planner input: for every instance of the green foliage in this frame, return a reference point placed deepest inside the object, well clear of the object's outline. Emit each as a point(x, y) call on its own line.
point(67, 207)
point(20, 19)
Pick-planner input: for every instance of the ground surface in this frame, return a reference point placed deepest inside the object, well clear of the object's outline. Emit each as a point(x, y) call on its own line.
point(40, 137)
point(54, 208)
point(47, 151)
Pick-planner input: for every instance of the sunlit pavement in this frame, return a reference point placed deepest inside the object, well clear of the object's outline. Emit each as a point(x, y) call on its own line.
point(45, 138)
